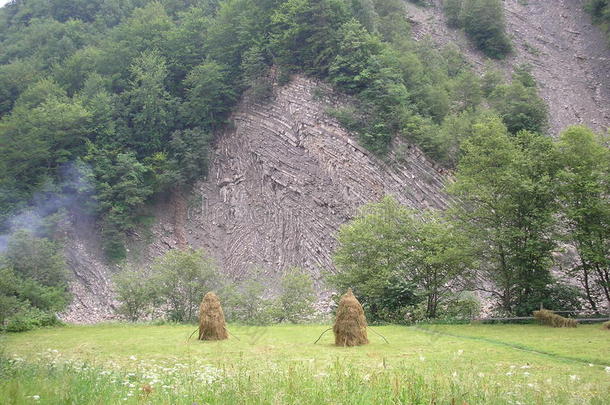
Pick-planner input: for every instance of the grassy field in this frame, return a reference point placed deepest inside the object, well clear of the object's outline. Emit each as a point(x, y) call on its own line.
point(448, 364)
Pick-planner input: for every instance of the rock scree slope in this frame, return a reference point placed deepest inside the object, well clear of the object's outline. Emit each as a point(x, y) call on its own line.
point(569, 56)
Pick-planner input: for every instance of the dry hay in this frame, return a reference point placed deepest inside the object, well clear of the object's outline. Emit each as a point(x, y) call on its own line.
point(350, 323)
point(606, 325)
point(550, 318)
point(212, 324)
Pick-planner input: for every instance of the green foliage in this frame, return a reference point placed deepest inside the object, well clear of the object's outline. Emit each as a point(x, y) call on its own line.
point(520, 106)
point(506, 204)
point(248, 303)
point(390, 258)
point(33, 283)
point(122, 186)
point(464, 305)
point(177, 282)
point(484, 23)
point(296, 297)
point(150, 107)
point(303, 34)
point(135, 293)
point(209, 95)
point(180, 279)
point(453, 12)
point(29, 318)
point(584, 190)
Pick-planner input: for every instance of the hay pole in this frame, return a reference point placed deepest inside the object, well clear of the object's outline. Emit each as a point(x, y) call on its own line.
point(320, 337)
point(379, 334)
point(189, 338)
point(233, 335)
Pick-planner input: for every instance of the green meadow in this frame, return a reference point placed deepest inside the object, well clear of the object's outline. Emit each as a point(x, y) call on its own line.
point(429, 364)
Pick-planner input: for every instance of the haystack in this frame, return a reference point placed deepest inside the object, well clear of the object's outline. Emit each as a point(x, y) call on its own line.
point(350, 323)
point(212, 324)
point(606, 325)
point(550, 318)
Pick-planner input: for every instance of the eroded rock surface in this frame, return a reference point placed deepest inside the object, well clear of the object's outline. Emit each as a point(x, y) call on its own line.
point(570, 57)
point(285, 177)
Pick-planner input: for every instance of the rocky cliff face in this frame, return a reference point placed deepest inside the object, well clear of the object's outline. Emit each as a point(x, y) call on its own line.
point(285, 175)
point(569, 56)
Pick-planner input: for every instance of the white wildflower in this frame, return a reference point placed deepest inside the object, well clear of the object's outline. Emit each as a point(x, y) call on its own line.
point(574, 378)
point(35, 397)
point(134, 358)
point(526, 366)
point(607, 369)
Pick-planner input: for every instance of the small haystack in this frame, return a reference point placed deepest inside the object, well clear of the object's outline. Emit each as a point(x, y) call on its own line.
point(350, 323)
point(606, 325)
point(550, 318)
point(212, 324)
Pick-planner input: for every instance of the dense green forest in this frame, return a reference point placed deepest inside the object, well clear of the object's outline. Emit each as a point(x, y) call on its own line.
point(106, 104)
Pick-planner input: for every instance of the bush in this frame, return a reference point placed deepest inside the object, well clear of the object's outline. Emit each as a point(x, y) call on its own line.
point(464, 305)
point(33, 283)
point(297, 296)
point(556, 295)
point(483, 21)
point(248, 303)
point(30, 318)
point(135, 293)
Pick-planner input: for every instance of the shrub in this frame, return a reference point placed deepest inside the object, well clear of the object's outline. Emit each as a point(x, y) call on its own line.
point(297, 296)
point(248, 301)
point(453, 11)
point(546, 317)
point(483, 22)
point(464, 305)
point(179, 279)
point(30, 318)
point(135, 293)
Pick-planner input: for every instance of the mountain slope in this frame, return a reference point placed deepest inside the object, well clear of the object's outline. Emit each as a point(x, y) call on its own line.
point(284, 177)
point(568, 55)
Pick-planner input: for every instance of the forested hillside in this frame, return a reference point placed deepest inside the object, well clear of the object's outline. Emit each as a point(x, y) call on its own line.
point(107, 106)
point(127, 96)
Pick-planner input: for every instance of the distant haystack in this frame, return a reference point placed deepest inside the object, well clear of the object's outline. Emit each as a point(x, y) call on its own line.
point(550, 318)
point(606, 325)
point(212, 324)
point(350, 323)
